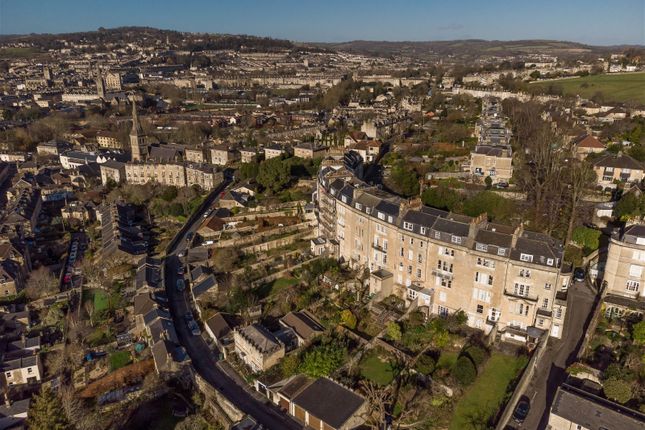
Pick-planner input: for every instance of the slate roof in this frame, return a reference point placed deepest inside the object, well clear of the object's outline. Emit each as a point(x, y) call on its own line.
point(593, 412)
point(329, 401)
point(303, 323)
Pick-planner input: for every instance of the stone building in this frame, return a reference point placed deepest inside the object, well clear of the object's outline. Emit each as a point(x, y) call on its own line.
point(624, 277)
point(501, 277)
point(257, 347)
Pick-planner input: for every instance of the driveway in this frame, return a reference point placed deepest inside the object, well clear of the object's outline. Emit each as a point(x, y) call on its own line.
point(560, 353)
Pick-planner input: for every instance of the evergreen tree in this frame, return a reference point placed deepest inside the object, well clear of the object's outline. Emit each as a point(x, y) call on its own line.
point(46, 412)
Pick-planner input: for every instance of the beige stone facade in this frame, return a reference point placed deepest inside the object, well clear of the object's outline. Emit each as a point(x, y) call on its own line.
point(497, 275)
point(624, 275)
point(493, 161)
point(105, 140)
point(206, 177)
point(162, 173)
point(194, 155)
point(257, 347)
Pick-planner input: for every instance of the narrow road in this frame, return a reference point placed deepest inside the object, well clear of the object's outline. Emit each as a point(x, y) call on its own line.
point(203, 359)
point(560, 353)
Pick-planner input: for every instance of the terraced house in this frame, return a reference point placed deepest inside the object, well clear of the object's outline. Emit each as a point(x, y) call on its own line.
point(503, 278)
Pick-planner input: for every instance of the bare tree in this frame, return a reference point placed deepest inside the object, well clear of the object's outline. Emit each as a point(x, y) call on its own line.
point(88, 305)
point(378, 399)
point(41, 283)
point(580, 176)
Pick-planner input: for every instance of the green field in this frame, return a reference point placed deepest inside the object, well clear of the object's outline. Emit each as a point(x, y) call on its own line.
point(376, 370)
point(482, 399)
point(19, 52)
point(101, 300)
point(621, 88)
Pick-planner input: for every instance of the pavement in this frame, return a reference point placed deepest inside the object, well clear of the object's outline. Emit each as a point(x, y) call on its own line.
point(204, 360)
point(559, 354)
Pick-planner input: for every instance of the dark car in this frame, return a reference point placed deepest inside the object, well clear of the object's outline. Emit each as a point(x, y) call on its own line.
point(579, 274)
point(521, 410)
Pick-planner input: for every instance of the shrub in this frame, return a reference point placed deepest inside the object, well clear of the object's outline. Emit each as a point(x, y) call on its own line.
point(586, 237)
point(618, 390)
point(425, 364)
point(477, 354)
point(464, 371)
point(348, 319)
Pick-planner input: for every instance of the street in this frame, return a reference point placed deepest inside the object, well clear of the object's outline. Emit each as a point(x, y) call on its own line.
point(203, 359)
point(560, 353)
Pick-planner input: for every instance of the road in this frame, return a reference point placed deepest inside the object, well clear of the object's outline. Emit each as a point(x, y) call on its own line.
point(560, 353)
point(203, 359)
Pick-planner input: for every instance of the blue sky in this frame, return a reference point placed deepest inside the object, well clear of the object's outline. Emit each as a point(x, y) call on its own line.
point(603, 22)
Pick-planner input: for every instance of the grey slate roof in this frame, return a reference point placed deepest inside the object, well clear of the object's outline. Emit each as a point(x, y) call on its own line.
point(329, 401)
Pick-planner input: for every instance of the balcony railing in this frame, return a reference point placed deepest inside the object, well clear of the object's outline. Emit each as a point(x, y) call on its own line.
point(544, 312)
point(529, 297)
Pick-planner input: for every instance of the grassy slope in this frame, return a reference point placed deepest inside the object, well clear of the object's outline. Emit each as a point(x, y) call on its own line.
point(482, 399)
point(627, 87)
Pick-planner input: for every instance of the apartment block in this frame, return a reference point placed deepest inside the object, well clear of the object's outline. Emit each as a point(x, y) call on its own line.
point(501, 277)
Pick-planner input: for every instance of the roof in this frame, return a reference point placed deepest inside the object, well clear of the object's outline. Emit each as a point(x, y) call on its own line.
point(588, 141)
point(303, 323)
point(618, 161)
point(260, 338)
point(329, 401)
point(205, 286)
point(593, 412)
point(294, 386)
point(222, 324)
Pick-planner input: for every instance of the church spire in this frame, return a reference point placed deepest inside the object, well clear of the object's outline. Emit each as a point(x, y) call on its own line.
point(136, 126)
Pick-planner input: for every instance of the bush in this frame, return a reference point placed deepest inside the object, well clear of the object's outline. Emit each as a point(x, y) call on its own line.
point(618, 390)
point(477, 354)
point(464, 371)
point(425, 364)
point(348, 319)
point(586, 237)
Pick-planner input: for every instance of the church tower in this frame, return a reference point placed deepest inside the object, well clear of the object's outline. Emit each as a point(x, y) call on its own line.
point(137, 137)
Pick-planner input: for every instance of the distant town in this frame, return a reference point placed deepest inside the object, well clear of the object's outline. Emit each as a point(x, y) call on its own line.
point(206, 231)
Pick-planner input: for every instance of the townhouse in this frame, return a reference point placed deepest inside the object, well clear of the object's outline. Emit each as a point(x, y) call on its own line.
point(502, 277)
point(611, 169)
point(624, 274)
point(257, 347)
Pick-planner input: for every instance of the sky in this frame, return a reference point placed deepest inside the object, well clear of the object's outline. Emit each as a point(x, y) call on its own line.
point(597, 22)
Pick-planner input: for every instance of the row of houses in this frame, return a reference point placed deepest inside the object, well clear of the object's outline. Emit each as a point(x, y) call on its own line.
point(503, 278)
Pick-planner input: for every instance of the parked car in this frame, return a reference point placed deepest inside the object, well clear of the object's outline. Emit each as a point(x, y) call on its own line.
point(501, 185)
point(521, 410)
point(181, 285)
point(194, 328)
point(180, 270)
point(208, 242)
point(188, 316)
point(579, 274)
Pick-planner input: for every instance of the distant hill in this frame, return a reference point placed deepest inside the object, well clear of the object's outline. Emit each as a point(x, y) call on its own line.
point(470, 47)
point(124, 35)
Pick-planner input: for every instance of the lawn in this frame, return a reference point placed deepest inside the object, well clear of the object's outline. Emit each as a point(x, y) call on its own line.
point(19, 52)
point(626, 87)
point(120, 359)
point(481, 400)
point(275, 287)
point(101, 300)
point(376, 370)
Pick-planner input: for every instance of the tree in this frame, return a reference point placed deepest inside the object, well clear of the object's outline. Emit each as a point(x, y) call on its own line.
point(348, 319)
point(580, 175)
point(464, 371)
point(442, 197)
point(495, 206)
point(588, 238)
point(618, 390)
point(249, 170)
point(404, 180)
point(89, 308)
point(46, 412)
point(638, 333)
point(274, 174)
point(290, 365)
point(225, 259)
point(322, 360)
point(41, 283)
point(393, 331)
point(489, 182)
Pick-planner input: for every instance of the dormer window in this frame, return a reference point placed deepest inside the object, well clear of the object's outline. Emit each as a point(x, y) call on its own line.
point(437, 235)
point(408, 225)
point(344, 199)
point(390, 219)
point(481, 247)
point(455, 239)
point(423, 230)
point(368, 210)
point(359, 206)
point(501, 251)
point(381, 215)
point(526, 257)
point(549, 261)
